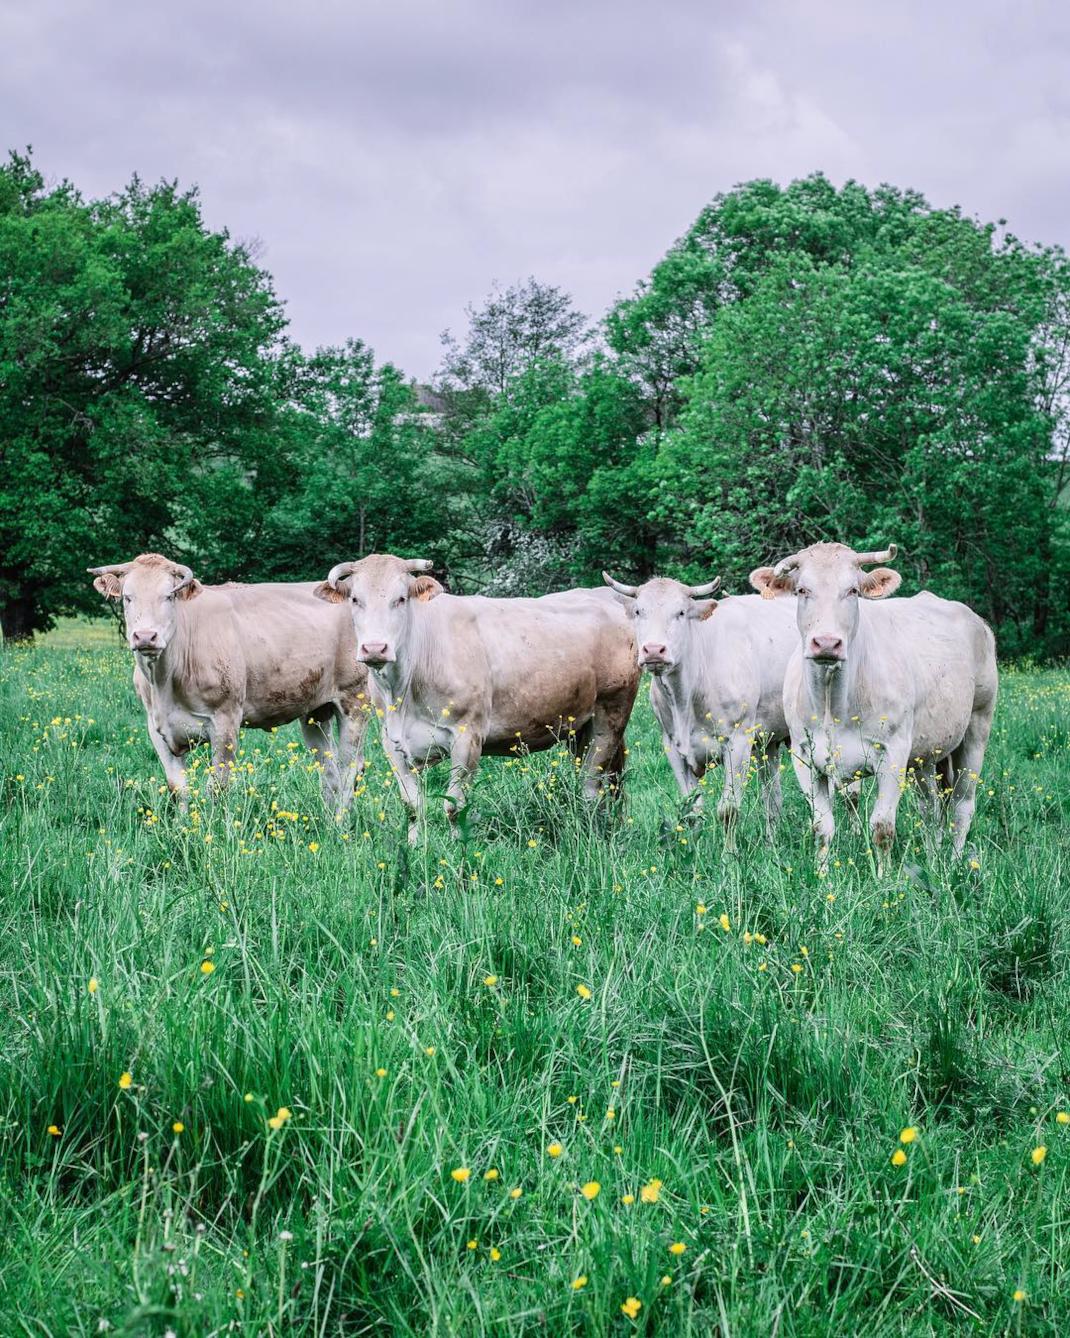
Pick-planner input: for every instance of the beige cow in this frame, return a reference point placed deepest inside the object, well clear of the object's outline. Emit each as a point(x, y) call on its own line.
point(208, 659)
point(460, 676)
point(881, 688)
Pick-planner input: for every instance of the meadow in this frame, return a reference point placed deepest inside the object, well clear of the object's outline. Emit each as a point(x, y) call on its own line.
point(263, 1073)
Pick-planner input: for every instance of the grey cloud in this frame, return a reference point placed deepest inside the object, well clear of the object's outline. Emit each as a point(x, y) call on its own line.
point(396, 159)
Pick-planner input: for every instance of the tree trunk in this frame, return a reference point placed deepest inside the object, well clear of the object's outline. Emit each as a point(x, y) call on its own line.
point(18, 620)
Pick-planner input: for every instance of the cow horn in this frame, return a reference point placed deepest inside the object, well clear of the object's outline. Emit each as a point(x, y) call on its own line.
point(701, 591)
point(339, 572)
point(866, 559)
point(116, 569)
point(185, 577)
point(788, 564)
point(419, 564)
point(630, 590)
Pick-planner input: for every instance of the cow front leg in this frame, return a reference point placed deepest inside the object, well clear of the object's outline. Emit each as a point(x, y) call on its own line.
point(223, 734)
point(891, 779)
point(818, 791)
point(465, 751)
point(318, 741)
point(174, 766)
point(352, 721)
point(412, 793)
point(736, 758)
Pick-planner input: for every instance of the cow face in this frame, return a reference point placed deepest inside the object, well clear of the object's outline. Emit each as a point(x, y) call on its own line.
point(662, 611)
point(828, 580)
point(380, 591)
point(149, 589)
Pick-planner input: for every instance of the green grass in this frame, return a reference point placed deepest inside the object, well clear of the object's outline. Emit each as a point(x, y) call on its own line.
point(766, 1102)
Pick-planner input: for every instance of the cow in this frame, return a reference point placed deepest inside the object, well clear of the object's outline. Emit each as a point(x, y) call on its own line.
point(882, 688)
point(717, 682)
point(457, 676)
point(208, 659)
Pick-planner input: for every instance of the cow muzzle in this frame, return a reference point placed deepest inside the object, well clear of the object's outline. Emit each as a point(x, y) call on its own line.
point(826, 649)
point(146, 641)
point(375, 653)
point(654, 655)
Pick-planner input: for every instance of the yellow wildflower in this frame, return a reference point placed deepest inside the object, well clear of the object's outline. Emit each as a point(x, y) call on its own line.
point(492, 1174)
point(908, 1134)
point(207, 968)
point(554, 1150)
point(631, 1307)
point(591, 1189)
point(54, 1130)
point(898, 1157)
point(178, 1127)
point(579, 1283)
point(495, 1254)
point(724, 922)
point(490, 981)
point(1038, 1154)
point(125, 1079)
point(583, 991)
point(94, 984)
point(677, 1247)
point(460, 1174)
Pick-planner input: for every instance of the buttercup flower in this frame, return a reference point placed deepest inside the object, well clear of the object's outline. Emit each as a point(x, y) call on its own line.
point(591, 1189)
point(460, 1174)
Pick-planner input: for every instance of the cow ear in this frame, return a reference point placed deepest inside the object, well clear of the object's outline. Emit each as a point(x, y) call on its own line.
point(109, 585)
point(329, 593)
point(879, 582)
point(702, 609)
point(424, 588)
point(769, 585)
point(191, 591)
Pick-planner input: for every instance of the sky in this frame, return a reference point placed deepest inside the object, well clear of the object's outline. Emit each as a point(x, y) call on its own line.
point(393, 159)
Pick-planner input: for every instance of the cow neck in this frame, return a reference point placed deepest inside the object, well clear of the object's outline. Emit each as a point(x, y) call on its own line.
point(678, 685)
point(830, 688)
point(172, 662)
point(395, 679)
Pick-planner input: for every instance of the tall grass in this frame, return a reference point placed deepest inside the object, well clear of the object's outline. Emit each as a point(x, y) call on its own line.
point(322, 1027)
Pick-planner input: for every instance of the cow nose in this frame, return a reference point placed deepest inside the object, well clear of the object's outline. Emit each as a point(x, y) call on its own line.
point(373, 650)
point(143, 639)
point(826, 647)
point(654, 650)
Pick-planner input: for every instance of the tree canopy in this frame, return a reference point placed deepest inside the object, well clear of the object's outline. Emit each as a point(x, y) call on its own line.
point(806, 362)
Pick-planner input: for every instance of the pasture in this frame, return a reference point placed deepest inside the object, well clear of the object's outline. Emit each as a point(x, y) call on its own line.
point(261, 1073)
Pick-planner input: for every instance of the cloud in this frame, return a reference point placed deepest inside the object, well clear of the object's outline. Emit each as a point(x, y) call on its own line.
point(395, 160)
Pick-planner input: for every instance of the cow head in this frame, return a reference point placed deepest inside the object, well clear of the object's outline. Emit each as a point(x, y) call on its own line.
point(829, 581)
point(149, 588)
point(662, 611)
point(380, 591)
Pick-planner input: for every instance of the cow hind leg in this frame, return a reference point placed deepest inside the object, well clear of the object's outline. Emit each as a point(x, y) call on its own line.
point(966, 763)
point(603, 759)
point(316, 731)
point(771, 789)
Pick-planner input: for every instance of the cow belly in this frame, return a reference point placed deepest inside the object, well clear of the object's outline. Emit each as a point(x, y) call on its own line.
point(181, 730)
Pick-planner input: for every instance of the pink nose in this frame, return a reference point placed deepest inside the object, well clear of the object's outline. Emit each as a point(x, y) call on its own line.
point(144, 640)
point(373, 650)
point(654, 650)
point(826, 647)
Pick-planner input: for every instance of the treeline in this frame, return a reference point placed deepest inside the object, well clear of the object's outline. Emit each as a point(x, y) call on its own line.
point(805, 363)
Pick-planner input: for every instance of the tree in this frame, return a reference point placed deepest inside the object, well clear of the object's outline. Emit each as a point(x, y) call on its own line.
point(361, 478)
point(135, 383)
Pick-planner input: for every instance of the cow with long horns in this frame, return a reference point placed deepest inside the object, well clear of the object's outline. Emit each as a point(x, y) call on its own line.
point(457, 676)
point(717, 680)
point(208, 659)
point(892, 690)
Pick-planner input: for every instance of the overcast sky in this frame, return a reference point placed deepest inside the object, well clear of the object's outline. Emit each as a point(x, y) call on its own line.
point(394, 158)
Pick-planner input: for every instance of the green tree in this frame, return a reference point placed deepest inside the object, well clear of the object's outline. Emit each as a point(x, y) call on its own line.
point(135, 385)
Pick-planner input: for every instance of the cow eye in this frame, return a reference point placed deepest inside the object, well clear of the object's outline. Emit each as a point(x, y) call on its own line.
point(399, 601)
point(357, 602)
point(679, 613)
point(803, 593)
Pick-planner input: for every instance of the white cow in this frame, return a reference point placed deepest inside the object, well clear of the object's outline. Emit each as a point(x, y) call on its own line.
point(717, 682)
point(208, 659)
point(458, 676)
point(880, 688)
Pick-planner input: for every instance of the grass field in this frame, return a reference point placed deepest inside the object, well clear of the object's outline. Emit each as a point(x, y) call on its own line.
point(260, 1074)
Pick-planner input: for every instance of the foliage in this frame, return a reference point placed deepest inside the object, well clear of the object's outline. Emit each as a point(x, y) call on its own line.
point(349, 987)
point(135, 389)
